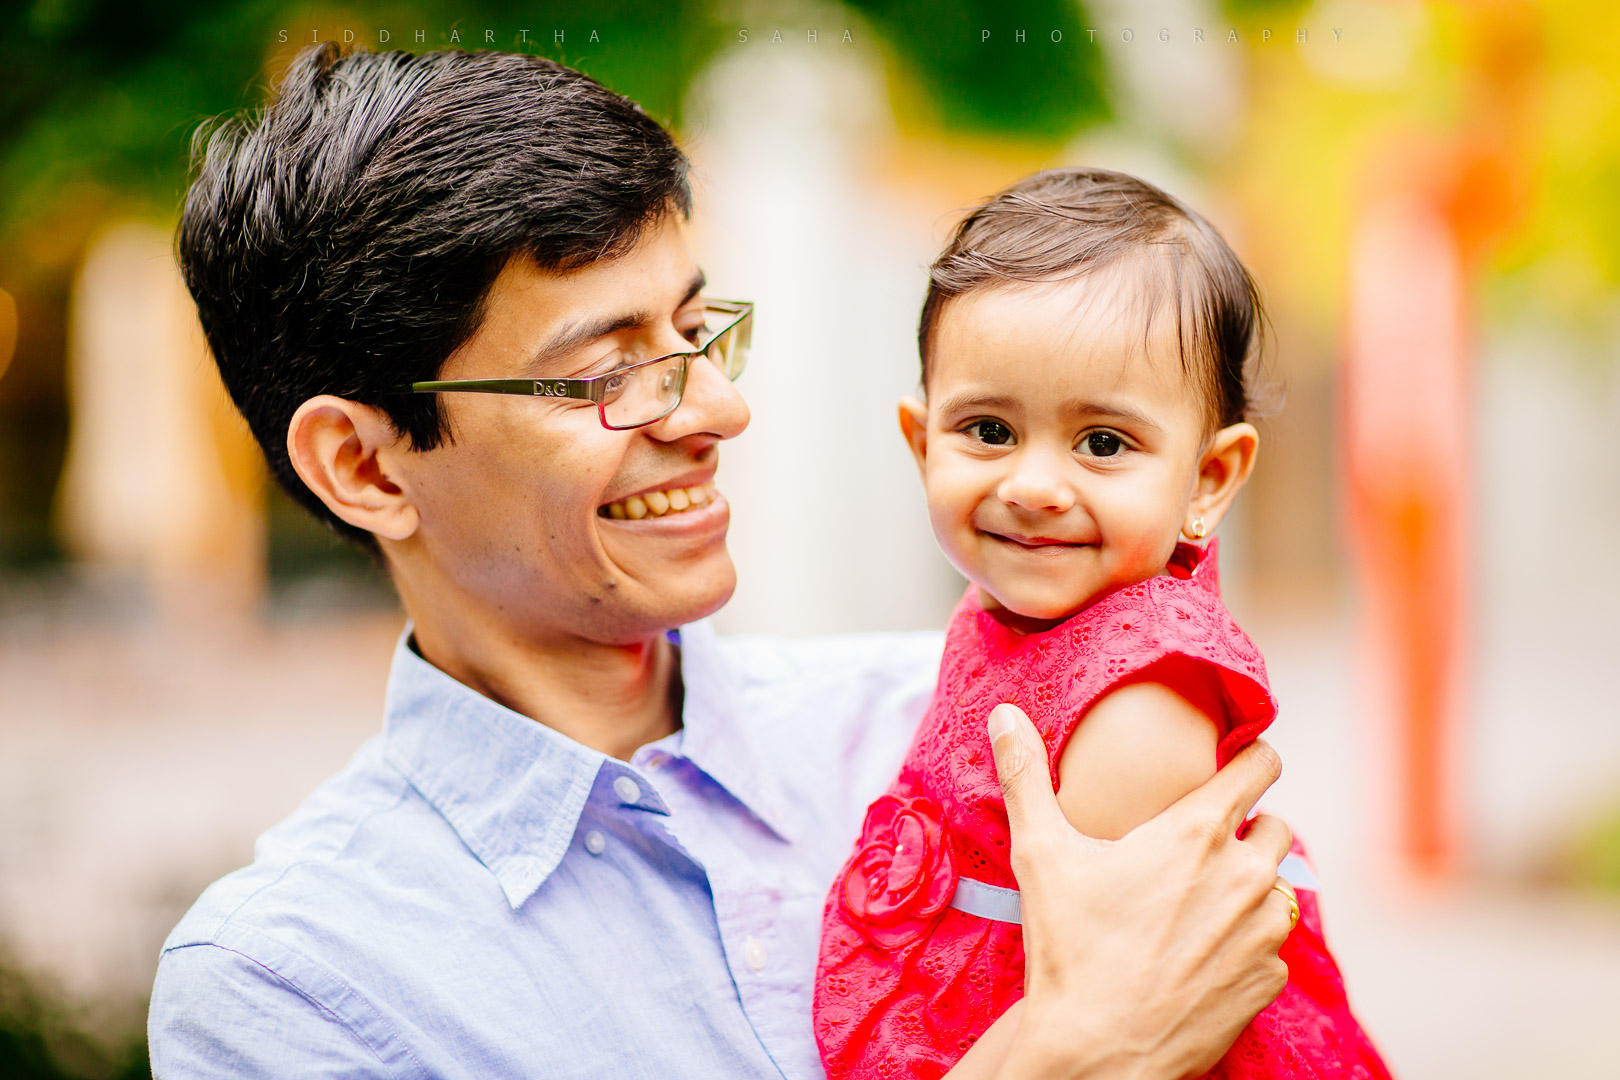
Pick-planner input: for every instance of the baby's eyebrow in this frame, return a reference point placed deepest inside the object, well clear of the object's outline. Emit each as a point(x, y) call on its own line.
point(1104, 410)
point(1113, 411)
point(968, 402)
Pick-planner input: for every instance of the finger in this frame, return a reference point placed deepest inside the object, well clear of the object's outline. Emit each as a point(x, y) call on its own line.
point(1228, 797)
point(1289, 907)
point(1271, 835)
point(1026, 780)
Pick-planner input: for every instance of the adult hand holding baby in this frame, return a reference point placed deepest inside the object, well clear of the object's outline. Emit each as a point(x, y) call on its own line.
point(1146, 956)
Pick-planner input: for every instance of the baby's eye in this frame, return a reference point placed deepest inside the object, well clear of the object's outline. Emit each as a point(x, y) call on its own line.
point(1101, 444)
point(991, 432)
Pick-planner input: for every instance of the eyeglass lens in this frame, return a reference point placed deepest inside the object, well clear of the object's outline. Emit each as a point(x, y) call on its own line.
point(644, 394)
point(729, 349)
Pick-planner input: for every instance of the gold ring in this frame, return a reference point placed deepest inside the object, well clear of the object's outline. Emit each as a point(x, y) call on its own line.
point(1293, 902)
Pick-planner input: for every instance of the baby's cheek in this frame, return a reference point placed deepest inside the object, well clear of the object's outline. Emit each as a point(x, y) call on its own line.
point(953, 529)
point(1150, 523)
point(951, 503)
point(1138, 554)
point(1152, 548)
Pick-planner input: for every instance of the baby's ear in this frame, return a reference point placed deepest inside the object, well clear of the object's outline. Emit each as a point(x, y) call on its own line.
point(914, 426)
point(1222, 470)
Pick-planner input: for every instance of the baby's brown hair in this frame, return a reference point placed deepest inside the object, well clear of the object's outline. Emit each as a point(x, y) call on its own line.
point(1064, 224)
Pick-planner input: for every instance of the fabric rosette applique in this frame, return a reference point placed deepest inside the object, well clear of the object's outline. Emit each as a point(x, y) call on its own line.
point(902, 875)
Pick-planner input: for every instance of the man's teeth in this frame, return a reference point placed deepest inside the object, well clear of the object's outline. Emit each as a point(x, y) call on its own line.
point(659, 503)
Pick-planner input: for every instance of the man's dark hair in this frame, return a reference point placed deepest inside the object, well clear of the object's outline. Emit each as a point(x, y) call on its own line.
point(1064, 224)
point(342, 241)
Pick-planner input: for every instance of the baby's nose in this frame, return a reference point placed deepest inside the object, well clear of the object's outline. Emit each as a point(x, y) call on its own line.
point(1037, 484)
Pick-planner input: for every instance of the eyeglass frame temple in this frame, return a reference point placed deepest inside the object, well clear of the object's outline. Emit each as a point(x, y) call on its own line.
point(585, 389)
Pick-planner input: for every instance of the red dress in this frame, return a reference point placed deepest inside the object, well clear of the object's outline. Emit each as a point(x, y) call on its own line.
point(907, 981)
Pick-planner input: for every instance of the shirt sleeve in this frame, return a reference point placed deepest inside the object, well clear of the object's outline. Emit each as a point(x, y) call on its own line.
point(218, 1013)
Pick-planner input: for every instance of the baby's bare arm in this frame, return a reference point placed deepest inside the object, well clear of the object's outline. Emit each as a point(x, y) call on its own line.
point(1139, 749)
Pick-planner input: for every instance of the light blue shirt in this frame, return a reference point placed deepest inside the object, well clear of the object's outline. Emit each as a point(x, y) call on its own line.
point(476, 895)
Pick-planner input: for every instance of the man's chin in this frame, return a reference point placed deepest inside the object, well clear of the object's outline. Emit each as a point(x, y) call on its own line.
point(700, 607)
point(667, 608)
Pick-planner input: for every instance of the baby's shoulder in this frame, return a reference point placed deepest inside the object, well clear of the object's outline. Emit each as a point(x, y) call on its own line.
point(1162, 615)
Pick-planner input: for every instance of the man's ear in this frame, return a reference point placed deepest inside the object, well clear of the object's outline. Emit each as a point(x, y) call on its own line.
point(914, 426)
point(341, 450)
point(1224, 467)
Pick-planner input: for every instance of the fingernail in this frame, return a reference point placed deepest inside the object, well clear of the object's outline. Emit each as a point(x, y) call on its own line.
point(1001, 721)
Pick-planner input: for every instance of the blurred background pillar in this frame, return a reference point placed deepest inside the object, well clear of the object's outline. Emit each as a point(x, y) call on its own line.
point(1407, 403)
point(1436, 203)
point(162, 481)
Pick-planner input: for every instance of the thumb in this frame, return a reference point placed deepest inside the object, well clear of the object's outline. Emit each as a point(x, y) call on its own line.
point(1026, 780)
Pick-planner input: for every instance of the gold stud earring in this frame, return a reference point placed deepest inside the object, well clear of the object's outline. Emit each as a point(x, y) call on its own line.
point(1198, 529)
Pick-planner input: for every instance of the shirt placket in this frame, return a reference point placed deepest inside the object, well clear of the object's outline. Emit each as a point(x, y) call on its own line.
point(748, 894)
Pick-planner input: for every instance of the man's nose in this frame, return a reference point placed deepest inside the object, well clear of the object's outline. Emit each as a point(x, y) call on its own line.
point(1039, 480)
point(710, 404)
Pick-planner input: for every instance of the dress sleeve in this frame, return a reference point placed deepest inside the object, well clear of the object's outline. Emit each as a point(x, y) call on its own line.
point(1175, 631)
point(218, 1013)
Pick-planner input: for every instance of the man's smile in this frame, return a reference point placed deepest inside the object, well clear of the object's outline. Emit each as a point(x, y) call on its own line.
point(690, 490)
point(688, 504)
point(660, 502)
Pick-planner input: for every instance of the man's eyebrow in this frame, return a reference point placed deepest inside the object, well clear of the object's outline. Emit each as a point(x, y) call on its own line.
point(573, 335)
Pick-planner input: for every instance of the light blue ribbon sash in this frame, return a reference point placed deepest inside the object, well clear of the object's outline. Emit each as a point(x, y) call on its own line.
point(1002, 905)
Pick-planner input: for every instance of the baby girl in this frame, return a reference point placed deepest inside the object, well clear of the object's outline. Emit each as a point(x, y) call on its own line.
point(1084, 343)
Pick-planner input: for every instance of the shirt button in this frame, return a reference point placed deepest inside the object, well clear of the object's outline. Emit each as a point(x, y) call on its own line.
point(754, 953)
point(627, 789)
point(595, 842)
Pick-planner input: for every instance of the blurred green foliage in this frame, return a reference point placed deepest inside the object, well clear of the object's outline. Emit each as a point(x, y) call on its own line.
point(40, 1040)
point(1596, 856)
point(1563, 261)
point(108, 92)
point(1046, 87)
point(1244, 10)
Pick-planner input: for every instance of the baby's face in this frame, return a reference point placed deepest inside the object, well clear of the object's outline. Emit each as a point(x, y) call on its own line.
point(1061, 454)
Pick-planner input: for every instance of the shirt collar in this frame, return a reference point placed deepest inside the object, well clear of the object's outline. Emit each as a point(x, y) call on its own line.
point(513, 789)
point(717, 736)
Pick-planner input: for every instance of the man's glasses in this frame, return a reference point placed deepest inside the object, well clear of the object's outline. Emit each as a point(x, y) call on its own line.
point(642, 393)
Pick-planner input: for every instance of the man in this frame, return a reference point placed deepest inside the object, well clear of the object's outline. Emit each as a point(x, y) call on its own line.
point(451, 296)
